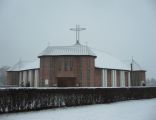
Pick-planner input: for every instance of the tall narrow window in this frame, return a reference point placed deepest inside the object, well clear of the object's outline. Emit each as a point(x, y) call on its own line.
point(118, 78)
point(126, 79)
point(88, 70)
point(81, 69)
point(68, 64)
point(109, 78)
point(59, 64)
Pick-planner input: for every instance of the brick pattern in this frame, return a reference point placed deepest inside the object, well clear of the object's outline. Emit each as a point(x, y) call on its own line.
point(109, 78)
point(81, 70)
point(126, 79)
point(137, 77)
point(53, 67)
point(12, 78)
point(118, 78)
point(98, 77)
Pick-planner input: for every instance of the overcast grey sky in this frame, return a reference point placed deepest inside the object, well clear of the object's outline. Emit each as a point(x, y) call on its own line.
point(123, 28)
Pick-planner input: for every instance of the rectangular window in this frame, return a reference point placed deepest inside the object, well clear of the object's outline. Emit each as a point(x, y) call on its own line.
point(68, 64)
point(126, 79)
point(59, 65)
point(88, 69)
point(109, 78)
point(80, 69)
point(118, 78)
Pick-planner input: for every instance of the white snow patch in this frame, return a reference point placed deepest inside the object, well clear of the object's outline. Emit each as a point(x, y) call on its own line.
point(127, 110)
point(26, 65)
point(108, 61)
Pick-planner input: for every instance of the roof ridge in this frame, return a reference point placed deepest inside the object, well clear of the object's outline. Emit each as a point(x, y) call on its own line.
point(67, 50)
point(68, 45)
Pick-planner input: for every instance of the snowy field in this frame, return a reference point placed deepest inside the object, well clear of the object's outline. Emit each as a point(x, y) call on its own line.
point(127, 110)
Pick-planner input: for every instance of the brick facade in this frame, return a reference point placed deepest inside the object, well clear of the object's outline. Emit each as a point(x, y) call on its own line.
point(12, 78)
point(73, 66)
point(79, 69)
point(126, 79)
point(98, 77)
point(109, 78)
point(118, 78)
point(137, 77)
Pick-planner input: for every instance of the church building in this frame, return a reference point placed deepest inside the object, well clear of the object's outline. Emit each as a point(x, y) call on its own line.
point(75, 66)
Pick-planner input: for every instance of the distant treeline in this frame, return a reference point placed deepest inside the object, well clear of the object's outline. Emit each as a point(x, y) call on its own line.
point(151, 82)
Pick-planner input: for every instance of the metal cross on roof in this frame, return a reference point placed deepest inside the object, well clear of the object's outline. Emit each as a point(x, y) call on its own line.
point(77, 29)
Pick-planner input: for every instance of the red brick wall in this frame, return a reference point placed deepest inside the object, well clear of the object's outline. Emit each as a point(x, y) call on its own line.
point(98, 79)
point(13, 78)
point(109, 78)
point(126, 79)
point(137, 77)
point(53, 67)
point(118, 78)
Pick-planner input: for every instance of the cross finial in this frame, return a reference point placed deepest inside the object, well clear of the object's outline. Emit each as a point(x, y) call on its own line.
point(77, 30)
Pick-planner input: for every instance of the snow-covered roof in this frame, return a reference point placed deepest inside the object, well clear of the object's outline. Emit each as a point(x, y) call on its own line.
point(76, 49)
point(102, 60)
point(105, 60)
point(25, 65)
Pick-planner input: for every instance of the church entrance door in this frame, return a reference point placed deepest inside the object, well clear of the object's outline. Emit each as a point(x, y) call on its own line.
point(66, 82)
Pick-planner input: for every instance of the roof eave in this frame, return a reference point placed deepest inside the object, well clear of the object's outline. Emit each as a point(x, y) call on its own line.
point(64, 55)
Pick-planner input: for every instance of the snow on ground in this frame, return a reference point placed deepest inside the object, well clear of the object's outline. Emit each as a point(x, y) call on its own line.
point(127, 110)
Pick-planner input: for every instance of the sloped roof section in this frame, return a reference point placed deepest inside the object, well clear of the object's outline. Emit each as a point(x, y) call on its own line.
point(25, 65)
point(76, 49)
point(107, 61)
point(102, 60)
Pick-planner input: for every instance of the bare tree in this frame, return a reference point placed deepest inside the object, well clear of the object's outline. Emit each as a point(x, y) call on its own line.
point(151, 82)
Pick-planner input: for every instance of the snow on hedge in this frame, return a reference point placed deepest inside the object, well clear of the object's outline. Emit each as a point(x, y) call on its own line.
point(128, 110)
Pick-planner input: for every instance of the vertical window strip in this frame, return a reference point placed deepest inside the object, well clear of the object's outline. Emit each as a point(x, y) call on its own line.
point(81, 70)
point(80, 73)
point(68, 64)
point(88, 70)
